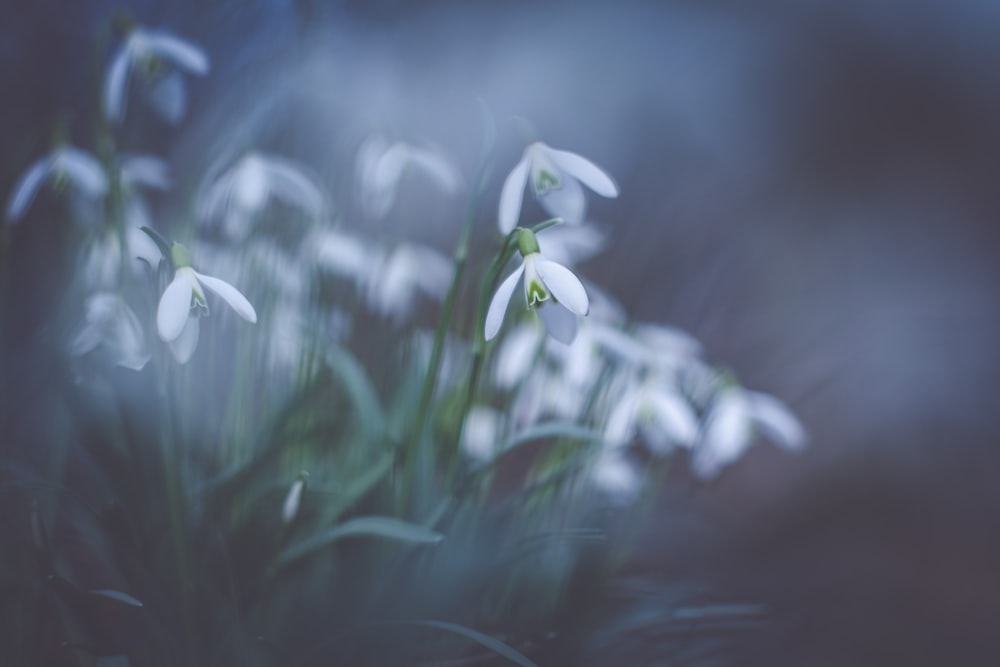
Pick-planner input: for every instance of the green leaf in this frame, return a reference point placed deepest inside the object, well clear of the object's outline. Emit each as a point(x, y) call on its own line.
point(382, 527)
point(359, 388)
point(491, 643)
point(118, 596)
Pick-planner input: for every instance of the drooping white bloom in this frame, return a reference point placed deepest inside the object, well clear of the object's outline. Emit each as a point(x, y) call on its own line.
point(554, 290)
point(66, 166)
point(113, 325)
point(654, 408)
point(480, 433)
point(246, 188)
point(615, 477)
point(183, 303)
point(733, 418)
point(381, 167)
point(396, 278)
point(555, 177)
point(150, 56)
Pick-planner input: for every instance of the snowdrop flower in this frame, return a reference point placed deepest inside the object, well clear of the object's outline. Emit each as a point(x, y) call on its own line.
point(380, 169)
point(555, 177)
point(480, 433)
point(150, 54)
point(290, 508)
point(102, 259)
point(734, 416)
point(111, 323)
point(248, 186)
point(550, 287)
point(183, 303)
point(655, 408)
point(65, 167)
point(616, 477)
point(397, 277)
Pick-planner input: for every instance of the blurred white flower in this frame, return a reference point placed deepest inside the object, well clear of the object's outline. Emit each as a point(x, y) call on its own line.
point(654, 408)
point(183, 303)
point(343, 255)
point(152, 56)
point(102, 259)
point(555, 177)
point(113, 325)
point(733, 418)
point(245, 189)
point(396, 278)
point(616, 477)
point(290, 508)
point(381, 166)
point(480, 433)
point(571, 244)
point(518, 354)
point(65, 167)
point(547, 285)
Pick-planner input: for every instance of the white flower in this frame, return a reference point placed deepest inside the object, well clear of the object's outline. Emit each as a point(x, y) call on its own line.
point(111, 323)
point(734, 416)
point(65, 166)
point(247, 187)
point(183, 302)
point(145, 53)
point(380, 169)
point(555, 177)
point(480, 433)
point(396, 278)
point(616, 477)
point(556, 292)
point(655, 408)
point(290, 508)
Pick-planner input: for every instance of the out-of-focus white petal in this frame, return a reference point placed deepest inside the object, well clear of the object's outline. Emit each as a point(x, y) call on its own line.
point(230, 295)
point(567, 201)
point(167, 97)
point(344, 255)
point(182, 53)
point(83, 170)
point(727, 433)
point(516, 355)
point(140, 246)
point(175, 306)
point(498, 306)
point(512, 195)
point(585, 171)
point(616, 477)
point(184, 345)
point(146, 170)
point(116, 84)
point(560, 323)
point(564, 285)
point(570, 244)
point(289, 181)
point(620, 424)
point(438, 167)
point(778, 424)
point(290, 508)
point(673, 417)
point(27, 188)
point(480, 433)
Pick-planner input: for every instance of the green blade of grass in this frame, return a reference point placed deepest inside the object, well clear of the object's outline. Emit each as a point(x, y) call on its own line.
point(381, 527)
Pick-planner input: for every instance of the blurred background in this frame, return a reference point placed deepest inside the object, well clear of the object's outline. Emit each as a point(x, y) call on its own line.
point(809, 188)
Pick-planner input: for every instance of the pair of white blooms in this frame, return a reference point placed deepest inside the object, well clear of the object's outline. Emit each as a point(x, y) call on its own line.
point(555, 178)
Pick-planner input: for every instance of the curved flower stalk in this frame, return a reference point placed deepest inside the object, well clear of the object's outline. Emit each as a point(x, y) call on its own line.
point(66, 167)
point(555, 177)
point(243, 191)
point(153, 56)
point(733, 418)
point(183, 303)
point(381, 167)
point(113, 325)
point(554, 290)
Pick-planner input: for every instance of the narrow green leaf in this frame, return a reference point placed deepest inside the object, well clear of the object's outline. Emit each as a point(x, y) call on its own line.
point(491, 643)
point(118, 596)
point(359, 388)
point(382, 527)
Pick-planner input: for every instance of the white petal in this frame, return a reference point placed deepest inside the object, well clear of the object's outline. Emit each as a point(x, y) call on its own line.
point(512, 195)
point(620, 424)
point(585, 171)
point(559, 322)
point(615, 476)
point(116, 84)
point(727, 433)
point(675, 419)
point(230, 295)
point(438, 167)
point(564, 286)
point(480, 432)
point(289, 181)
point(776, 421)
point(83, 170)
point(168, 98)
point(184, 345)
point(140, 246)
point(181, 53)
point(517, 355)
point(567, 201)
point(570, 244)
point(27, 188)
point(498, 306)
point(89, 338)
point(147, 170)
point(175, 307)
